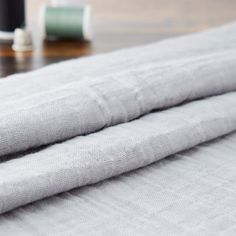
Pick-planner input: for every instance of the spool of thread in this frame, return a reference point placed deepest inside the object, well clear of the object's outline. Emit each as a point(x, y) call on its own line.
point(22, 40)
point(66, 22)
point(12, 16)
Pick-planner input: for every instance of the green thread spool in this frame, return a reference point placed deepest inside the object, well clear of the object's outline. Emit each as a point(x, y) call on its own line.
point(66, 22)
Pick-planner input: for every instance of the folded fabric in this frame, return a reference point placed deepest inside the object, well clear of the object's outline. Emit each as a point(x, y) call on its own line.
point(115, 150)
point(88, 105)
point(120, 111)
point(191, 193)
point(185, 47)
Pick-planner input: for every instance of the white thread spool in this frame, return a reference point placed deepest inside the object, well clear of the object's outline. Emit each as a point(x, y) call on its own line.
point(22, 40)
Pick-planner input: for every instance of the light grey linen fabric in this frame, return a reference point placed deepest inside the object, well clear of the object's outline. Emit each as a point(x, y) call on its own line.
point(115, 150)
point(117, 92)
point(188, 194)
point(186, 47)
point(61, 102)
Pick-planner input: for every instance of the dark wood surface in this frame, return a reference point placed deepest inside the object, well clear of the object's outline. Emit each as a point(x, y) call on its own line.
point(119, 24)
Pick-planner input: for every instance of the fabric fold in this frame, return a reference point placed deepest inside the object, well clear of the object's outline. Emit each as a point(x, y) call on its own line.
point(82, 96)
point(87, 106)
point(114, 113)
point(160, 199)
point(185, 47)
point(88, 159)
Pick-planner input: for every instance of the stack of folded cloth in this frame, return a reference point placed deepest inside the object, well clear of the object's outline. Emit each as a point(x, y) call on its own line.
point(67, 127)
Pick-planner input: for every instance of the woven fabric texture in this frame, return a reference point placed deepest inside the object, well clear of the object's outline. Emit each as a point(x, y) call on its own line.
point(191, 193)
point(107, 115)
point(67, 100)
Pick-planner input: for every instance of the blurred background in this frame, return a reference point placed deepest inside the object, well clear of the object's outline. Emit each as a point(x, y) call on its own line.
point(116, 25)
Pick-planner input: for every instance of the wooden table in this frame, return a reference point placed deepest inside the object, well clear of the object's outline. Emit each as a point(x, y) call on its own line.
point(119, 24)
